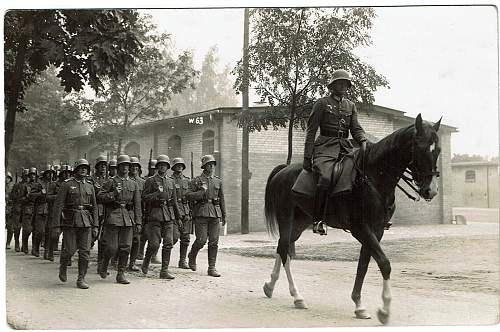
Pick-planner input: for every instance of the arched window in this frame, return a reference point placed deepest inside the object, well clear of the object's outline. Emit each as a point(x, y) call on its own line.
point(174, 147)
point(133, 149)
point(470, 176)
point(208, 142)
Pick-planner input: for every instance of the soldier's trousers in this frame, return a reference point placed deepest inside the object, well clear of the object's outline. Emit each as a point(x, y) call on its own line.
point(76, 238)
point(155, 231)
point(134, 249)
point(118, 239)
point(39, 224)
point(206, 228)
point(27, 227)
point(181, 232)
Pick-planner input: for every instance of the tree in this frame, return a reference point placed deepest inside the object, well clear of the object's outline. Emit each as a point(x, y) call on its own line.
point(212, 88)
point(84, 45)
point(40, 138)
point(142, 94)
point(293, 52)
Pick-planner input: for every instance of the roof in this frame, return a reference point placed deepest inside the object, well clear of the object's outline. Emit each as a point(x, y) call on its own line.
point(474, 163)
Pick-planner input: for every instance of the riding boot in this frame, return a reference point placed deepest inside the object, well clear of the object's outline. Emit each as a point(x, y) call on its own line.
point(146, 261)
point(182, 257)
point(212, 258)
point(165, 260)
point(319, 210)
point(16, 240)
point(122, 264)
point(82, 271)
point(63, 267)
point(192, 257)
point(10, 233)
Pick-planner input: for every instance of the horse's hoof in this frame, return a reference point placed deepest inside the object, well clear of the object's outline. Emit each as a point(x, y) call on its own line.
point(362, 314)
point(300, 304)
point(383, 316)
point(267, 290)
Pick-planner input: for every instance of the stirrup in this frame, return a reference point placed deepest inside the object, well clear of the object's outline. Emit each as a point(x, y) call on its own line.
point(320, 227)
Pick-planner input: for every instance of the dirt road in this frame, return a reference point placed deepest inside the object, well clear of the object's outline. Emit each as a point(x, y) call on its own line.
point(447, 277)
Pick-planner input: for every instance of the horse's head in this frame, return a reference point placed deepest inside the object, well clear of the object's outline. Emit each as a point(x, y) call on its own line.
point(425, 152)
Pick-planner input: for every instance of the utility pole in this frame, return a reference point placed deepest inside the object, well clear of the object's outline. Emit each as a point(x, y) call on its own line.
point(245, 172)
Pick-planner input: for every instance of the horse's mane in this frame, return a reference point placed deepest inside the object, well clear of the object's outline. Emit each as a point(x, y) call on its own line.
point(386, 146)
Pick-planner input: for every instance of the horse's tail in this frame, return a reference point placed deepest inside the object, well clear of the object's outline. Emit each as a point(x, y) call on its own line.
point(270, 202)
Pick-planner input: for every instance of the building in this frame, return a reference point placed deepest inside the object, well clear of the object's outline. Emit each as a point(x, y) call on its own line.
point(216, 131)
point(475, 184)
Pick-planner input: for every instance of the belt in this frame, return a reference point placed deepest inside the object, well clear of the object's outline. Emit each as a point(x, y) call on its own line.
point(337, 134)
point(78, 207)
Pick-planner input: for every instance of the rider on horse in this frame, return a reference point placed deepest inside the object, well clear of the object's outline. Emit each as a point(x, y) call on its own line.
point(335, 115)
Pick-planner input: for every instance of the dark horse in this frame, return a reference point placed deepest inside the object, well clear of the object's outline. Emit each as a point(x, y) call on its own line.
point(414, 149)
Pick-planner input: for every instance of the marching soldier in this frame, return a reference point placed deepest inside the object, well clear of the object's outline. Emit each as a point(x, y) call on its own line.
point(77, 203)
point(32, 186)
point(112, 168)
point(162, 211)
point(122, 201)
point(18, 197)
point(335, 116)
point(182, 227)
point(135, 172)
point(207, 197)
point(140, 255)
point(98, 179)
point(8, 208)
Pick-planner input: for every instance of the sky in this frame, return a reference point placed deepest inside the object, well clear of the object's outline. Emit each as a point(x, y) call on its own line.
point(439, 61)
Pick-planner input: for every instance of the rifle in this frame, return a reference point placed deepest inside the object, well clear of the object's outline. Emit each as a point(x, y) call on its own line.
point(16, 178)
point(150, 158)
point(192, 167)
point(107, 165)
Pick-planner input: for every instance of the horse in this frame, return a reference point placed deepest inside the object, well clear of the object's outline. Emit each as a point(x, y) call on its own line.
point(413, 149)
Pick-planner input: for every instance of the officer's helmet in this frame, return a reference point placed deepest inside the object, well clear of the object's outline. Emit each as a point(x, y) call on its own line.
point(207, 159)
point(101, 159)
point(135, 161)
point(340, 74)
point(163, 158)
point(178, 161)
point(123, 159)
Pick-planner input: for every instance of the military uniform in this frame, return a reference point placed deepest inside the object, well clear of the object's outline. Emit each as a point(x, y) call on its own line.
point(29, 200)
point(75, 212)
point(162, 211)
point(122, 213)
point(136, 239)
point(208, 209)
point(183, 225)
point(8, 210)
point(41, 213)
point(98, 182)
point(17, 196)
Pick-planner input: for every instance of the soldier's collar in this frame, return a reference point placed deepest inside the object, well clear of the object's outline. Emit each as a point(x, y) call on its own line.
point(177, 175)
point(124, 178)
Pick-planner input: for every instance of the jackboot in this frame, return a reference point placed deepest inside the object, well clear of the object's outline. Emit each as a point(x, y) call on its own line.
point(10, 233)
point(82, 271)
point(103, 271)
point(50, 250)
point(35, 245)
point(182, 257)
point(212, 258)
point(165, 260)
point(319, 210)
point(24, 247)
point(16, 240)
point(122, 263)
point(146, 261)
point(63, 267)
point(192, 258)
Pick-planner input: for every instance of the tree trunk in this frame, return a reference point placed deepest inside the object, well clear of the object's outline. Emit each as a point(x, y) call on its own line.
point(290, 134)
point(13, 98)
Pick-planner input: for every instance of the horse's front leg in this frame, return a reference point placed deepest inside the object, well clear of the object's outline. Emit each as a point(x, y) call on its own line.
point(269, 286)
point(298, 300)
point(363, 262)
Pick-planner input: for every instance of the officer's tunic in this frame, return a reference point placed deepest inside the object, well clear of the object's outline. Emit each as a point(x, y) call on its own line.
point(162, 211)
point(334, 117)
point(75, 212)
point(182, 227)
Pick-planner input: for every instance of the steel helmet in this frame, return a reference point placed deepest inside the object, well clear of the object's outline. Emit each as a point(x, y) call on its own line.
point(48, 168)
point(163, 158)
point(123, 159)
point(177, 161)
point(340, 74)
point(112, 163)
point(25, 172)
point(9, 175)
point(101, 159)
point(82, 162)
point(57, 168)
point(33, 170)
point(135, 161)
point(152, 164)
point(207, 159)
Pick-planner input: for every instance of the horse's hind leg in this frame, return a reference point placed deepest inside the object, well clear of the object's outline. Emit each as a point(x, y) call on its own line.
point(298, 300)
point(269, 286)
point(364, 260)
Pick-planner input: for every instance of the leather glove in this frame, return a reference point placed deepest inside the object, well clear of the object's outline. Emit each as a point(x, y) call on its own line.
point(95, 233)
point(223, 221)
point(307, 165)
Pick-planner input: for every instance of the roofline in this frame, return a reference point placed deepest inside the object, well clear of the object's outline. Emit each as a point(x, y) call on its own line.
point(474, 163)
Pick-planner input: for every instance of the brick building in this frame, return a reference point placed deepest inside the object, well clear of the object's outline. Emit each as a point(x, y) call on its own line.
point(475, 184)
point(216, 131)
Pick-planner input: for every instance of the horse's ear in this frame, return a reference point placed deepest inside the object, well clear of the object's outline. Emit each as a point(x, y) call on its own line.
point(437, 124)
point(418, 124)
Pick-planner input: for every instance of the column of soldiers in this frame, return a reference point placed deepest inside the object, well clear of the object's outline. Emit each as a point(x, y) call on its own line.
point(127, 215)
